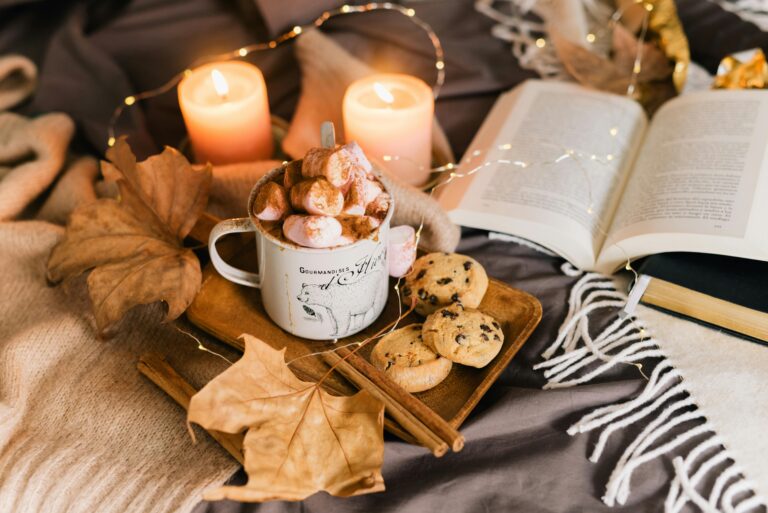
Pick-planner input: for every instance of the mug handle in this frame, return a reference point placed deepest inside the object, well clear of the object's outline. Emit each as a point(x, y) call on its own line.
point(232, 273)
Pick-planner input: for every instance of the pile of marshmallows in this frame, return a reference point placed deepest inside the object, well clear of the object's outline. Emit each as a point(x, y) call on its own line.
point(332, 199)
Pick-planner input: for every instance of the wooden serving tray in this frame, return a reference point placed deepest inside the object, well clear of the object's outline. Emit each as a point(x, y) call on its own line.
point(227, 310)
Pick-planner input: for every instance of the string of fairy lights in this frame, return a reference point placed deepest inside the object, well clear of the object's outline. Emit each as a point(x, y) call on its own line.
point(244, 51)
point(447, 172)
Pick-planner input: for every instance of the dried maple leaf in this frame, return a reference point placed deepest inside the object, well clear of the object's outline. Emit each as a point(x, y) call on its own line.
point(615, 75)
point(134, 245)
point(300, 439)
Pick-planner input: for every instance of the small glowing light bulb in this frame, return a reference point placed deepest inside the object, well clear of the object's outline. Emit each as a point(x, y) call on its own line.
point(541, 42)
point(614, 131)
point(297, 30)
point(111, 142)
point(242, 52)
point(591, 38)
point(439, 65)
point(345, 8)
point(130, 100)
point(609, 157)
point(410, 12)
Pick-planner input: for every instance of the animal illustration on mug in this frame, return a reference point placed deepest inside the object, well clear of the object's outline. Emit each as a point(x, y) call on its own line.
point(346, 311)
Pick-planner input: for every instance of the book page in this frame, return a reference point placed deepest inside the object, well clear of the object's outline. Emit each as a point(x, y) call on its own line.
point(697, 178)
point(549, 165)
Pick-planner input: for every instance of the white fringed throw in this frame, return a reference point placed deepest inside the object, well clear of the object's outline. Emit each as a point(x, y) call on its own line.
point(754, 11)
point(705, 399)
point(706, 393)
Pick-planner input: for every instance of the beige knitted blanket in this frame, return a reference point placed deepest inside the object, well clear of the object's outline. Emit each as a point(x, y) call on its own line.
point(80, 429)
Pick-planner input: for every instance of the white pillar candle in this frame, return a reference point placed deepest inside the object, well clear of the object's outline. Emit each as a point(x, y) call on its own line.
point(390, 117)
point(226, 111)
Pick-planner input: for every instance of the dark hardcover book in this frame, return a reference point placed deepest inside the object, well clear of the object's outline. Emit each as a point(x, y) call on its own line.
point(728, 292)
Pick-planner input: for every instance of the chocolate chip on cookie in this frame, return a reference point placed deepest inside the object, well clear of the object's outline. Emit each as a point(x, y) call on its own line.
point(464, 335)
point(442, 278)
point(408, 361)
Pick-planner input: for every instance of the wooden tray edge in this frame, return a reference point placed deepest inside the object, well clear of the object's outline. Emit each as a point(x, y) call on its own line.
point(507, 357)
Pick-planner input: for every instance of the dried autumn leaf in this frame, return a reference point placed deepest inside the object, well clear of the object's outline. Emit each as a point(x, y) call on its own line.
point(654, 65)
point(613, 75)
point(654, 80)
point(300, 439)
point(134, 245)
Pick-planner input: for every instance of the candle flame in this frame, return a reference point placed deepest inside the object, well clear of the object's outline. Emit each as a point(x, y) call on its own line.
point(383, 93)
point(220, 83)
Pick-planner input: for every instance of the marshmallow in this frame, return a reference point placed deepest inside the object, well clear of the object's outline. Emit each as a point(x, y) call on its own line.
point(359, 227)
point(312, 231)
point(336, 164)
point(354, 200)
point(357, 156)
point(371, 190)
point(361, 190)
point(271, 202)
point(317, 196)
point(345, 239)
point(379, 207)
point(401, 251)
point(292, 174)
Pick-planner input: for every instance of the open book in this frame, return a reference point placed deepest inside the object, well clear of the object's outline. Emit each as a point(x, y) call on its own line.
point(584, 174)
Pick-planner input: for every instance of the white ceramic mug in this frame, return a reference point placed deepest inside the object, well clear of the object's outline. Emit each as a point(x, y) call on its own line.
point(319, 294)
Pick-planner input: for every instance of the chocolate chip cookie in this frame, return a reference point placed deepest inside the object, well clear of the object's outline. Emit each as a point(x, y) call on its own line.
point(463, 335)
point(439, 279)
point(403, 356)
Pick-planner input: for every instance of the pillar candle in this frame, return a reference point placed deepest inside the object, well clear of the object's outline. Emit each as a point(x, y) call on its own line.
point(226, 111)
point(390, 117)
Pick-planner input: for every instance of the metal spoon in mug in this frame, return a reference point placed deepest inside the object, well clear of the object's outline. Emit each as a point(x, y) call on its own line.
point(327, 135)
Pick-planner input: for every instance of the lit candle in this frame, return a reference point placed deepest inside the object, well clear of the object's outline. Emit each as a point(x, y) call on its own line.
point(390, 117)
point(226, 111)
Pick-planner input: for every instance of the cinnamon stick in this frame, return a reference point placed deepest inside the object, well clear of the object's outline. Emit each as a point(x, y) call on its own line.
point(422, 433)
point(159, 372)
point(406, 401)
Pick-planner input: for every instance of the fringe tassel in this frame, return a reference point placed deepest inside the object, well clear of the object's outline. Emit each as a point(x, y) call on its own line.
point(755, 11)
point(706, 476)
